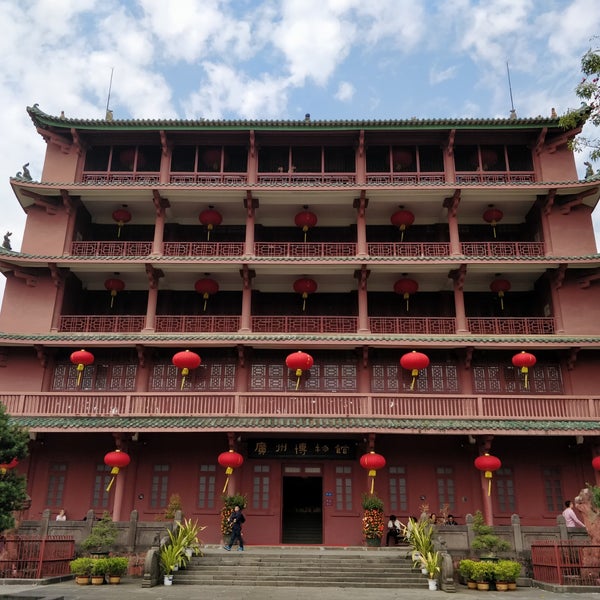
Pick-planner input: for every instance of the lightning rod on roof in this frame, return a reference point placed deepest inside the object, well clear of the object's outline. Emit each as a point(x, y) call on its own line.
point(513, 112)
point(109, 114)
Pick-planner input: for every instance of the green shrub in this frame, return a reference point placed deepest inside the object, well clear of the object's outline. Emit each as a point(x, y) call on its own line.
point(465, 568)
point(103, 535)
point(116, 566)
point(82, 567)
point(99, 566)
point(507, 570)
point(485, 539)
point(372, 502)
point(483, 571)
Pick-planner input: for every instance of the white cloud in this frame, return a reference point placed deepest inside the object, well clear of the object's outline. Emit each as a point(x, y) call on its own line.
point(345, 91)
point(436, 76)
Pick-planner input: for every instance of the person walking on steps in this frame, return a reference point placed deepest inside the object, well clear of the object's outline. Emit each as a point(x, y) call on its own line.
point(236, 519)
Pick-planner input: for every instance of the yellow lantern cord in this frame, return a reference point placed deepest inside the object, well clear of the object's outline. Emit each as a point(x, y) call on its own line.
point(406, 297)
point(304, 297)
point(228, 472)
point(402, 228)
point(121, 223)
point(525, 371)
point(114, 472)
point(414, 373)
point(372, 474)
point(488, 475)
point(184, 372)
point(113, 293)
point(298, 375)
point(494, 228)
point(305, 229)
point(210, 226)
point(205, 296)
point(80, 368)
point(501, 296)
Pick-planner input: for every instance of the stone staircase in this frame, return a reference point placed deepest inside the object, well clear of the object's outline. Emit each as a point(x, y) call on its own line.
point(304, 567)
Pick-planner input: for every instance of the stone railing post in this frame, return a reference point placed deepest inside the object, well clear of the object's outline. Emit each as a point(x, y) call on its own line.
point(470, 532)
point(45, 523)
point(563, 533)
point(132, 531)
point(517, 534)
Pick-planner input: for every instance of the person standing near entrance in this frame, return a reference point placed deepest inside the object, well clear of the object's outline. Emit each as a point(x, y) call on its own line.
point(236, 519)
point(571, 518)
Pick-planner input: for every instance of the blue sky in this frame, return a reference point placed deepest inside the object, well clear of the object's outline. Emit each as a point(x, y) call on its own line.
point(334, 59)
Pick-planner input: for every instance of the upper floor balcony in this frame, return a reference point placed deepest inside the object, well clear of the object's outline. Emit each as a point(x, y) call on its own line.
point(434, 408)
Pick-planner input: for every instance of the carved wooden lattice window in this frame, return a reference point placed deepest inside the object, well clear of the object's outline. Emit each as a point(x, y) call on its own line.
point(506, 379)
point(553, 494)
point(343, 488)
point(261, 483)
point(322, 377)
point(100, 377)
point(159, 486)
point(445, 486)
point(392, 378)
point(212, 377)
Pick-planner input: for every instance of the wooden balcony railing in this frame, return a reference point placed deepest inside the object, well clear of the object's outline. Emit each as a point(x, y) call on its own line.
point(107, 248)
point(305, 324)
point(495, 177)
point(101, 323)
point(193, 323)
point(417, 406)
point(324, 179)
point(508, 249)
point(102, 177)
point(229, 179)
point(306, 249)
point(433, 325)
point(405, 178)
point(408, 249)
point(510, 326)
point(292, 324)
point(203, 249)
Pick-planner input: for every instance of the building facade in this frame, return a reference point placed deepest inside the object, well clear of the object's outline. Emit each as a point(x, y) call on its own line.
point(354, 242)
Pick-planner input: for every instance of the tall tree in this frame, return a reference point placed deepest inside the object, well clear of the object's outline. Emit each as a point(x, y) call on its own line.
point(588, 90)
point(13, 487)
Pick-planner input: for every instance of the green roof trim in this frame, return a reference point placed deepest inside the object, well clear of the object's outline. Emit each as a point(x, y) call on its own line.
point(157, 423)
point(43, 120)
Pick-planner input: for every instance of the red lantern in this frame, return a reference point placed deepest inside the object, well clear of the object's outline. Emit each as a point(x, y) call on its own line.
point(114, 285)
point(414, 361)
point(185, 361)
point(121, 216)
point(207, 287)
point(493, 216)
point(117, 460)
point(81, 358)
point(401, 158)
point(406, 287)
point(402, 219)
point(499, 286)
point(305, 286)
point(211, 218)
point(372, 462)
point(306, 220)
point(7, 466)
point(299, 361)
point(230, 460)
point(487, 463)
point(595, 463)
point(212, 159)
point(524, 360)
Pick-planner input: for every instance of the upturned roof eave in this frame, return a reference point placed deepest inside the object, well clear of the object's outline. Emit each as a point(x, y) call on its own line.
point(43, 120)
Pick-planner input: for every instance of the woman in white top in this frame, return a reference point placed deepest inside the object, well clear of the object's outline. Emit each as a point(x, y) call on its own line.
point(393, 530)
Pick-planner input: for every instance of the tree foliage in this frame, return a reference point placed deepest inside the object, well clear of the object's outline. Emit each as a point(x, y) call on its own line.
point(13, 487)
point(588, 90)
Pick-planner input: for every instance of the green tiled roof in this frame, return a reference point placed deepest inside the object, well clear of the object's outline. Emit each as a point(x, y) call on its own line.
point(187, 423)
point(43, 120)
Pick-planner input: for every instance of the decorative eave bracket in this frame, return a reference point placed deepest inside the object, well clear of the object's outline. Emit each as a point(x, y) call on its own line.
point(452, 202)
point(63, 143)
point(586, 281)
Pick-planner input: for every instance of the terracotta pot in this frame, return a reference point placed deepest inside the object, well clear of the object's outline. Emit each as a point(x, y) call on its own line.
point(501, 586)
point(512, 586)
point(114, 579)
point(97, 579)
point(483, 586)
point(82, 580)
point(471, 585)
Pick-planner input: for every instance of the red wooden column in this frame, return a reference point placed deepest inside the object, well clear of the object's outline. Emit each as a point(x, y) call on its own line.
point(452, 205)
point(485, 444)
point(363, 309)
point(250, 204)
point(159, 231)
point(153, 277)
point(246, 318)
point(119, 491)
point(458, 275)
point(361, 224)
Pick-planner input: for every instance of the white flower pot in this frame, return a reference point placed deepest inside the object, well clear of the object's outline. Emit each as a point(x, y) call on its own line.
point(168, 580)
point(432, 584)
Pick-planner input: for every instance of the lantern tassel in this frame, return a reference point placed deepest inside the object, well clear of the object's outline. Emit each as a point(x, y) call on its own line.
point(110, 484)
point(501, 295)
point(402, 228)
point(488, 476)
point(228, 472)
point(406, 297)
point(184, 372)
point(119, 230)
point(298, 375)
point(525, 371)
point(494, 228)
point(304, 297)
point(80, 368)
point(205, 301)
point(372, 485)
point(414, 373)
point(114, 472)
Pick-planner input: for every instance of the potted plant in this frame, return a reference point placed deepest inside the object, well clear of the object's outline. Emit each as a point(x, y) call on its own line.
point(486, 542)
point(372, 520)
point(483, 574)
point(102, 537)
point(465, 570)
point(116, 567)
point(506, 572)
point(431, 563)
point(419, 535)
point(170, 557)
point(187, 534)
point(82, 569)
point(99, 567)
